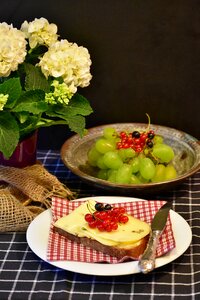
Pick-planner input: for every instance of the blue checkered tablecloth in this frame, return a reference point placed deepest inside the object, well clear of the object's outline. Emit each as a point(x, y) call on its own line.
point(23, 275)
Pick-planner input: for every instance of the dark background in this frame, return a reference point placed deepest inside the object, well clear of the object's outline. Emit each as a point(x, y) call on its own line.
point(145, 58)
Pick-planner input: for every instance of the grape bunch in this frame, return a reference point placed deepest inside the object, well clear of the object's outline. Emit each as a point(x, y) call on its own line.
point(132, 157)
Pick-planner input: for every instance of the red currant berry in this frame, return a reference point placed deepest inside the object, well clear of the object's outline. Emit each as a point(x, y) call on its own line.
point(126, 145)
point(129, 140)
point(138, 149)
point(151, 131)
point(92, 224)
point(114, 225)
point(116, 211)
point(136, 141)
point(108, 228)
point(122, 210)
point(106, 222)
point(122, 134)
point(123, 219)
point(97, 214)
point(143, 137)
point(100, 227)
point(103, 215)
point(89, 217)
point(119, 145)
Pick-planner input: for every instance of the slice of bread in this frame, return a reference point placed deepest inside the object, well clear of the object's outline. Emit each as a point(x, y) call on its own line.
point(129, 240)
point(134, 251)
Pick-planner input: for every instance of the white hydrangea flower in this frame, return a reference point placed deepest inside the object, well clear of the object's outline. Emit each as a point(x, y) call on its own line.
point(12, 49)
point(40, 32)
point(3, 100)
point(69, 61)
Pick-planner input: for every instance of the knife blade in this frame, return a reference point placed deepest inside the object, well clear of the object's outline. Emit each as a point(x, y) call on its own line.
point(147, 260)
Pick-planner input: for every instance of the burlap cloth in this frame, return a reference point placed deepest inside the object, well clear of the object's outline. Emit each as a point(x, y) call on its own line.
point(25, 193)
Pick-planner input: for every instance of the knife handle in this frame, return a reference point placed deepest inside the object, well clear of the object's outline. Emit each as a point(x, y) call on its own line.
point(147, 260)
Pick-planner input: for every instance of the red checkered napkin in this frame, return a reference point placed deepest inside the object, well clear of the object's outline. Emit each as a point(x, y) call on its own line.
point(60, 248)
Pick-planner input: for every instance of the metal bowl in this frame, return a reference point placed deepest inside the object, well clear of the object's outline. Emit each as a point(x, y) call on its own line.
point(186, 160)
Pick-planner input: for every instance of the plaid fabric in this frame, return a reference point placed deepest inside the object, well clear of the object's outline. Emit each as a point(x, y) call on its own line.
point(24, 276)
point(58, 246)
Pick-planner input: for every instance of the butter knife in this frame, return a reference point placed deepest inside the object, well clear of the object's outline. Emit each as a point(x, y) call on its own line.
point(147, 260)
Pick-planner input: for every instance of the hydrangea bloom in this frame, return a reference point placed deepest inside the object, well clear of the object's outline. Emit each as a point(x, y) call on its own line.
point(12, 49)
point(61, 94)
point(3, 100)
point(69, 61)
point(40, 32)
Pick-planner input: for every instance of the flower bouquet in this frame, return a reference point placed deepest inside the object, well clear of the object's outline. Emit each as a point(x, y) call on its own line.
point(39, 78)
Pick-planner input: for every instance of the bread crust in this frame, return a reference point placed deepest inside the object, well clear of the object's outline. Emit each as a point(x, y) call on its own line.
point(120, 253)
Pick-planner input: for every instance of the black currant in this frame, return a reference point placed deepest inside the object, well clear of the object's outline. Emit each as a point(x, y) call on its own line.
point(149, 144)
point(136, 134)
point(99, 206)
point(107, 207)
point(151, 135)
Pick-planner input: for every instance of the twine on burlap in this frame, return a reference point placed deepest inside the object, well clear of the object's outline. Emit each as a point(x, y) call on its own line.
point(25, 193)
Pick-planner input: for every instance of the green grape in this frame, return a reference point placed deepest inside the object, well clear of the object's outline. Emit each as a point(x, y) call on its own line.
point(109, 133)
point(164, 152)
point(112, 175)
point(126, 154)
point(159, 174)
point(158, 139)
point(122, 154)
point(100, 163)
point(102, 145)
point(134, 179)
point(147, 168)
point(141, 156)
point(135, 164)
point(170, 172)
point(93, 155)
point(102, 174)
point(112, 160)
point(123, 174)
point(129, 153)
point(142, 180)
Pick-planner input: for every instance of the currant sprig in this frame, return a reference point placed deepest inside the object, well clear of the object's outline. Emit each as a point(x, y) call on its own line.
point(136, 140)
point(106, 217)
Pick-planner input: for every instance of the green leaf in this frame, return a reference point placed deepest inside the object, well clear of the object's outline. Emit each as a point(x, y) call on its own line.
point(78, 105)
point(13, 88)
point(28, 126)
point(33, 55)
point(22, 116)
point(31, 101)
point(77, 124)
point(9, 134)
point(35, 80)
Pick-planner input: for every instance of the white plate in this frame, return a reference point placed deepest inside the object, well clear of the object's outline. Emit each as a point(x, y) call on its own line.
point(38, 233)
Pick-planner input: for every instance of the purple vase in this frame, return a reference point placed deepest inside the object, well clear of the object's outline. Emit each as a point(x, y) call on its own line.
point(24, 154)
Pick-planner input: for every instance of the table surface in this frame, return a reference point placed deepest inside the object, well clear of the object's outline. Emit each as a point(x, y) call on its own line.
point(23, 275)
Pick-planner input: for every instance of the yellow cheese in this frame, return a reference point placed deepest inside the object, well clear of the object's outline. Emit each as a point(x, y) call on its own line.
point(126, 235)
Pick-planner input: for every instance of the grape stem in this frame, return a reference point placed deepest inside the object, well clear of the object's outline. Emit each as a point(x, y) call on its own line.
point(149, 122)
